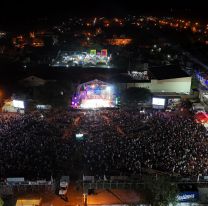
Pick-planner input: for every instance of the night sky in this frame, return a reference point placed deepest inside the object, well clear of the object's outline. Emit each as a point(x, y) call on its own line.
point(18, 12)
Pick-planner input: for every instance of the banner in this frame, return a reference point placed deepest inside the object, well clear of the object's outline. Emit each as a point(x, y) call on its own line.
point(104, 52)
point(188, 197)
point(93, 51)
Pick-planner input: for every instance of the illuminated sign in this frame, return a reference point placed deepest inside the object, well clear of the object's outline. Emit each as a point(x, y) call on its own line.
point(93, 51)
point(138, 75)
point(119, 41)
point(187, 196)
point(202, 80)
point(104, 52)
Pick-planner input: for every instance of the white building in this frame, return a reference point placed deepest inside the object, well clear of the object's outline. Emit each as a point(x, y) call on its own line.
point(166, 79)
point(174, 85)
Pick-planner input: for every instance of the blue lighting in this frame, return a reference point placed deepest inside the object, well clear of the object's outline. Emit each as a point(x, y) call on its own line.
point(202, 79)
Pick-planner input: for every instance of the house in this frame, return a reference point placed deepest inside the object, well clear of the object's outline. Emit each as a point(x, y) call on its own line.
point(33, 81)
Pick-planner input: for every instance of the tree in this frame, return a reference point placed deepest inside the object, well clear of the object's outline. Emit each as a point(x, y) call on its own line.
point(161, 191)
point(120, 61)
point(194, 83)
point(136, 94)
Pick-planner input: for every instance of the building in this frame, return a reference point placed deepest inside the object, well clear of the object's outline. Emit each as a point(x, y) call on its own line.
point(119, 41)
point(33, 81)
point(166, 79)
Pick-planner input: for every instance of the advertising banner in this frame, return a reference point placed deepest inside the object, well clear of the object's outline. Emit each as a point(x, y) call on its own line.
point(188, 197)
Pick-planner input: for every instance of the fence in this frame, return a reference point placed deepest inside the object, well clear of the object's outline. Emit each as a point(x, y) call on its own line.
point(112, 185)
point(5, 190)
point(136, 182)
point(15, 187)
point(44, 188)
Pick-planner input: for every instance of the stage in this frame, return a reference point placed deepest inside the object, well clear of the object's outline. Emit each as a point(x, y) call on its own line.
point(94, 94)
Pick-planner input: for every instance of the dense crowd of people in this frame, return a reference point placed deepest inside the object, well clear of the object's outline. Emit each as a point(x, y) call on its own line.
point(114, 142)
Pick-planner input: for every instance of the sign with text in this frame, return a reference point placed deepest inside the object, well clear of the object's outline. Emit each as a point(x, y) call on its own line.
point(188, 196)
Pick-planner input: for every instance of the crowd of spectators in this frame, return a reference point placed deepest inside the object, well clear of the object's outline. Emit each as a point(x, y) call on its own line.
point(116, 142)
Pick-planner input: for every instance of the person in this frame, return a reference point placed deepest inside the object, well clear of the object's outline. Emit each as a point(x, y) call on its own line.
point(36, 147)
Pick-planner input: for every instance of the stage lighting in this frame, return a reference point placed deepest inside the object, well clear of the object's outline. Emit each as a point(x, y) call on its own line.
point(95, 103)
point(108, 88)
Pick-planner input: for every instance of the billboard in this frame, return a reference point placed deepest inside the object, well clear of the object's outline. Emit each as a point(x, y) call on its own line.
point(104, 52)
point(18, 104)
point(93, 51)
point(187, 197)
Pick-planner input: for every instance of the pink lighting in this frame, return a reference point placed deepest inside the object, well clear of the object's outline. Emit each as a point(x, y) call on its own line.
point(94, 94)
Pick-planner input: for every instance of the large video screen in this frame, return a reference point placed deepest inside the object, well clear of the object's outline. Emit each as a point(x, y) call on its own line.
point(18, 104)
point(158, 101)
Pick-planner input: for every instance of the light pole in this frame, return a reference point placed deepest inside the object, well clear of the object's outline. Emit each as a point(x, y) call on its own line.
point(85, 199)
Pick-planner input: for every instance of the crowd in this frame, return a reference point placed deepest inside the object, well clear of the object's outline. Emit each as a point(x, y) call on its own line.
point(115, 142)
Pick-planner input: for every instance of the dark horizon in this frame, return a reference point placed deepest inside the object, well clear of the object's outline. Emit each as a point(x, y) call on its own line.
point(29, 14)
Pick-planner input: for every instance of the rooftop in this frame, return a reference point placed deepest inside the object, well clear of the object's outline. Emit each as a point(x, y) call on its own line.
point(167, 72)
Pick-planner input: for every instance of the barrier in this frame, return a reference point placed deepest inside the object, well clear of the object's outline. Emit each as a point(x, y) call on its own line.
point(88, 178)
point(5, 190)
point(118, 178)
point(112, 185)
point(20, 185)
